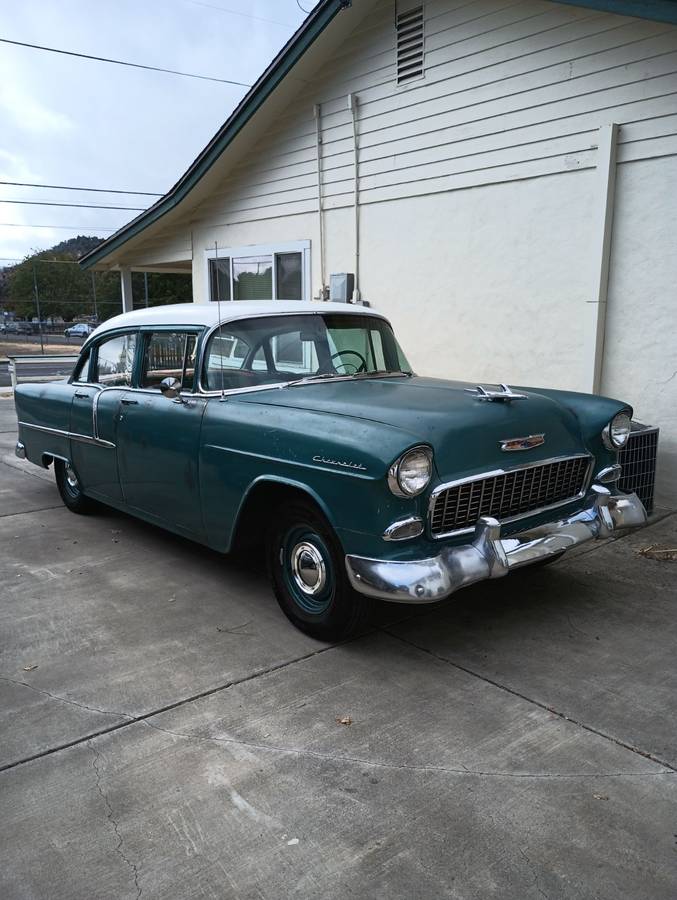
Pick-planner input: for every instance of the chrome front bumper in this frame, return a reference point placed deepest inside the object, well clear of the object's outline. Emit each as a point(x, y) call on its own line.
point(489, 555)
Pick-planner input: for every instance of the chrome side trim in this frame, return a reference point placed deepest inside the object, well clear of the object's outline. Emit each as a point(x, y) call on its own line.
point(353, 473)
point(489, 555)
point(496, 472)
point(71, 435)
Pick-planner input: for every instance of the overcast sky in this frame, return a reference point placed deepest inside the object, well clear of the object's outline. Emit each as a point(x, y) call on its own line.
point(70, 121)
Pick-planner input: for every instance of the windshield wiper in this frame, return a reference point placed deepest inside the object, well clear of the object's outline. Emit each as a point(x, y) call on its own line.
point(336, 376)
point(309, 379)
point(394, 374)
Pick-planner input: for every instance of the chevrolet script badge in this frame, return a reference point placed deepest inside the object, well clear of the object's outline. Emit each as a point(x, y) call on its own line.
point(523, 443)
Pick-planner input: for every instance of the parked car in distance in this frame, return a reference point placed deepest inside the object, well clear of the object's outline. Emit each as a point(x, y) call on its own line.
point(302, 427)
point(80, 329)
point(18, 328)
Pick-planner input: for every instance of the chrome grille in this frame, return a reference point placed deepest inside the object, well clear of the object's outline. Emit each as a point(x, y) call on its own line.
point(508, 494)
point(638, 464)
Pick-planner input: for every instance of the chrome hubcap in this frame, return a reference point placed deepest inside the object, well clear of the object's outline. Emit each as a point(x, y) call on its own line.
point(71, 477)
point(308, 568)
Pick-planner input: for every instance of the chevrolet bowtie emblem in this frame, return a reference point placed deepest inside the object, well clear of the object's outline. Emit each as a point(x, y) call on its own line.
point(523, 443)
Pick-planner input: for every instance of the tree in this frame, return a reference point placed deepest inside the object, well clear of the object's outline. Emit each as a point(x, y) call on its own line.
point(66, 291)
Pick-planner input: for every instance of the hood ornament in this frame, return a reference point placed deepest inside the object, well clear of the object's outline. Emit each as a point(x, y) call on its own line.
point(523, 443)
point(505, 395)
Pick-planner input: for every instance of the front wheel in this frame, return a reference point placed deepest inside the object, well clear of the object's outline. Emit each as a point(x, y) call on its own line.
point(69, 487)
point(307, 569)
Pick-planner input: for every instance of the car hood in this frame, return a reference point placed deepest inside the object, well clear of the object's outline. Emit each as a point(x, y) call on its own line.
point(465, 433)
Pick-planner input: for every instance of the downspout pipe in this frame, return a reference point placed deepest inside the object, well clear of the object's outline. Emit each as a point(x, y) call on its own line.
point(352, 103)
point(318, 133)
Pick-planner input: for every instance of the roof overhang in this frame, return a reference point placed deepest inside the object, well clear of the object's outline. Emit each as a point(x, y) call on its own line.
point(658, 10)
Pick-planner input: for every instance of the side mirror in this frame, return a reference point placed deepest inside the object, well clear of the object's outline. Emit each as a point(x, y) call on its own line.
point(171, 388)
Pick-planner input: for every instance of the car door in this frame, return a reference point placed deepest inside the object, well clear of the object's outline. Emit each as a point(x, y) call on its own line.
point(97, 395)
point(158, 438)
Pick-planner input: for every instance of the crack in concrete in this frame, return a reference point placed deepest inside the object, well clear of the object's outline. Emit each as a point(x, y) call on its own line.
point(29, 512)
point(111, 817)
point(535, 874)
point(105, 712)
point(25, 471)
point(497, 684)
point(130, 719)
point(414, 767)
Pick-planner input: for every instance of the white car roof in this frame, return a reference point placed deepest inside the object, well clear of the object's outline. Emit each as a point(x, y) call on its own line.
point(207, 313)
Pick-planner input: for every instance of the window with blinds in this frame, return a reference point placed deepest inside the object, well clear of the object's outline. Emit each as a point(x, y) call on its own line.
point(409, 28)
point(265, 274)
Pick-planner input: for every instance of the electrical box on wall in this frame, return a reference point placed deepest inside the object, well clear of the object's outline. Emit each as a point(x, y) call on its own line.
point(341, 287)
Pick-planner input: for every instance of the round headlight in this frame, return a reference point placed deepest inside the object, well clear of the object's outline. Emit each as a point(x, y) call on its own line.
point(411, 473)
point(617, 432)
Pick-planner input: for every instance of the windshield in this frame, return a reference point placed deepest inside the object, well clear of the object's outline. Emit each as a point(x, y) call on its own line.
point(274, 349)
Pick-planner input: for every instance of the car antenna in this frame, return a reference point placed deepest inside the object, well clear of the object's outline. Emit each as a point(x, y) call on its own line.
point(218, 313)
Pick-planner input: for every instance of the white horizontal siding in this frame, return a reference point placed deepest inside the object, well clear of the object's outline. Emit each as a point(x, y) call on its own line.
point(512, 90)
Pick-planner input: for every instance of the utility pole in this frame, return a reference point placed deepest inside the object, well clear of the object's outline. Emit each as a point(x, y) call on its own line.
point(96, 313)
point(37, 305)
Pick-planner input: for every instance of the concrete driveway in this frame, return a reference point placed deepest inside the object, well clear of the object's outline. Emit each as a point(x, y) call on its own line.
point(165, 733)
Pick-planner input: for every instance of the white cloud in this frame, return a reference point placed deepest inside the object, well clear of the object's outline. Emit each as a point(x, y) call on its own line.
point(76, 122)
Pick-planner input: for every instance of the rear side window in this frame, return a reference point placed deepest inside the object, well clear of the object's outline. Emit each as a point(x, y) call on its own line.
point(115, 361)
point(169, 354)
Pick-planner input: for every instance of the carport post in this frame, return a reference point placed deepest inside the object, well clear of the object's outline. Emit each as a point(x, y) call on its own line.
point(126, 289)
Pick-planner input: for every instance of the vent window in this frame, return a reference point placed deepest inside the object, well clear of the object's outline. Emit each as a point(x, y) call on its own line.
point(409, 26)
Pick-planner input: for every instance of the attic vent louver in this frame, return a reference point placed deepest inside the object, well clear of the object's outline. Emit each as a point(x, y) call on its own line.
point(409, 27)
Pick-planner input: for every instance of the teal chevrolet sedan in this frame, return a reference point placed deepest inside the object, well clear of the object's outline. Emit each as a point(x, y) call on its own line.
point(301, 428)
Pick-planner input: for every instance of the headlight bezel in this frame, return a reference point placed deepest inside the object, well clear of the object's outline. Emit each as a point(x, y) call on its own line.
point(395, 472)
point(607, 434)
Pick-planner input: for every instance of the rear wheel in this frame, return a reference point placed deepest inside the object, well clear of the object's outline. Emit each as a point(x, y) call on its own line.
point(69, 488)
point(307, 569)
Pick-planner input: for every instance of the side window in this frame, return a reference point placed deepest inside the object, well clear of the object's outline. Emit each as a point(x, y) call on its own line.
point(115, 361)
point(81, 370)
point(169, 354)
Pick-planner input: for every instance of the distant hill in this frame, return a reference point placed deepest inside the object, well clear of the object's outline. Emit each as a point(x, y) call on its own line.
point(75, 247)
point(66, 292)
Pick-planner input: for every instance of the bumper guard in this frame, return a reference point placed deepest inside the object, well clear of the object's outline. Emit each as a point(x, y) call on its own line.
point(489, 555)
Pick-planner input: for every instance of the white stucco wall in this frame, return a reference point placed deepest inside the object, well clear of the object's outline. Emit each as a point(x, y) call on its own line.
point(640, 359)
point(484, 284)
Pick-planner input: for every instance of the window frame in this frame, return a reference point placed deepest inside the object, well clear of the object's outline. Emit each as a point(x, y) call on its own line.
point(273, 250)
point(93, 350)
point(204, 343)
point(145, 334)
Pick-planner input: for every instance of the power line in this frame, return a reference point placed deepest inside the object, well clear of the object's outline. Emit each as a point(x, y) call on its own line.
point(234, 12)
point(77, 205)
point(63, 187)
point(59, 227)
point(120, 62)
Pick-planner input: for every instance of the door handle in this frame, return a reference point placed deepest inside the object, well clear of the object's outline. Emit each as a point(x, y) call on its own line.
point(82, 395)
point(129, 402)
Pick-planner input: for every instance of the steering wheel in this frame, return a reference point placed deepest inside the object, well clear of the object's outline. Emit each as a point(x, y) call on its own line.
point(362, 366)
